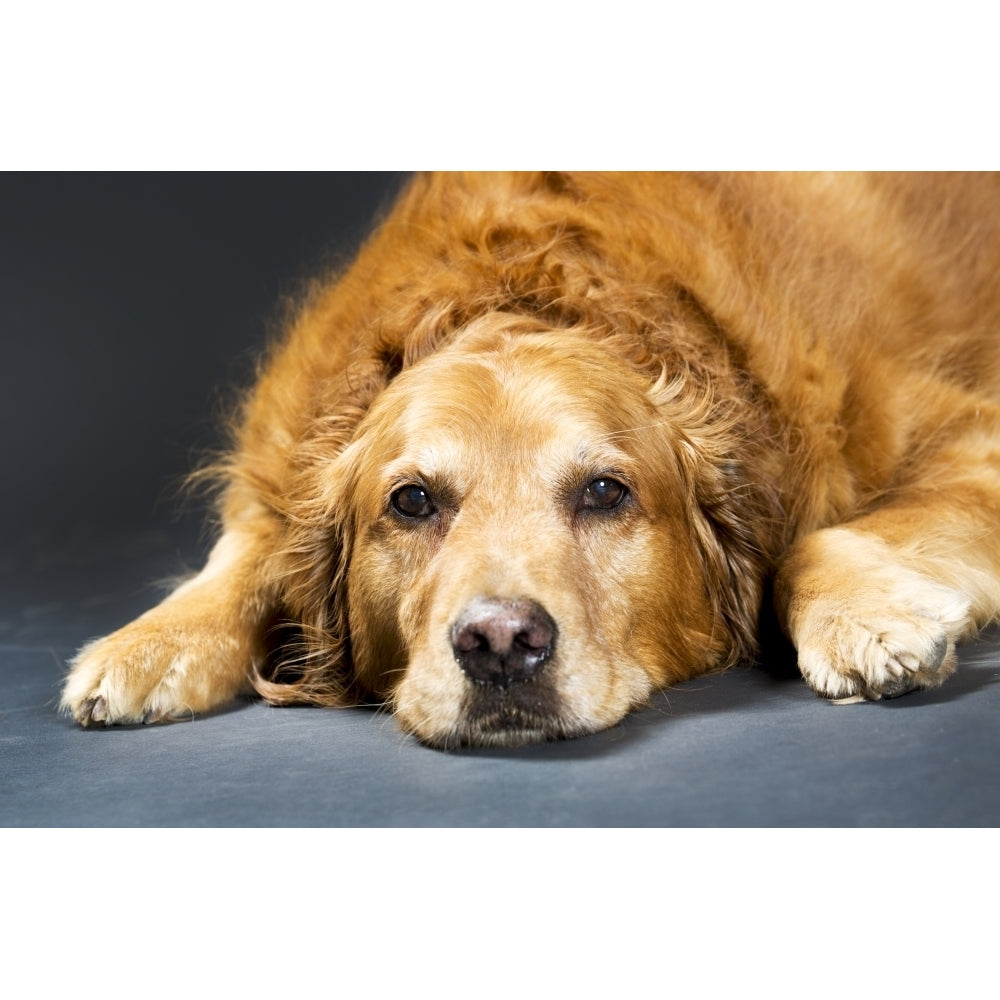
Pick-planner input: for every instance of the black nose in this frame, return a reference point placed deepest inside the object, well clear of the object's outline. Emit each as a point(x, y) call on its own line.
point(502, 642)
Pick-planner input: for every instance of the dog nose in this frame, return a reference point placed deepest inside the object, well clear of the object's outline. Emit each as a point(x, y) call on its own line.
point(501, 642)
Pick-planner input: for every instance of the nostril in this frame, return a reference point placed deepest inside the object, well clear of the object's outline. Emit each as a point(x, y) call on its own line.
point(532, 641)
point(500, 641)
point(468, 639)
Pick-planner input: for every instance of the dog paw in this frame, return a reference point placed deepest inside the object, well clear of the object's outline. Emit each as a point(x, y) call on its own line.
point(867, 627)
point(853, 651)
point(155, 670)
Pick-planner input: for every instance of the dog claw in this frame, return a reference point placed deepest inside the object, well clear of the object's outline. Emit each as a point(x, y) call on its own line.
point(93, 710)
point(938, 654)
point(896, 667)
point(901, 686)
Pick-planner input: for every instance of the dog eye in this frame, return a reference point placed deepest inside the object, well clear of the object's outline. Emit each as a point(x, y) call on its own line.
point(412, 501)
point(604, 494)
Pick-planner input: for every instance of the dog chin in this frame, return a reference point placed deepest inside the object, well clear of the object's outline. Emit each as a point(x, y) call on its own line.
point(508, 717)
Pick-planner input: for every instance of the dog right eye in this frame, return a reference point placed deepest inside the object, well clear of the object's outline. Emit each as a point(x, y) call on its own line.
point(604, 494)
point(413, 502)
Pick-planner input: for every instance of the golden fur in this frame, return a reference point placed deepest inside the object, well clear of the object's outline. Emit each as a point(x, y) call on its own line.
point(545, 445)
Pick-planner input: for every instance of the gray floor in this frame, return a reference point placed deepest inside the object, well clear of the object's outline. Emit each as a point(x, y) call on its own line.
point(750, 748)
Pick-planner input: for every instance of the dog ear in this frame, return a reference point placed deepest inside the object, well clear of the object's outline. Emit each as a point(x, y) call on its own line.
point(734, 504)
point(735, 517)
point(312, 664)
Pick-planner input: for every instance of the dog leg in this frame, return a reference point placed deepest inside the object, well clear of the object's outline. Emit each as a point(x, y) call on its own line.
point(876, 606)
point(189, 654)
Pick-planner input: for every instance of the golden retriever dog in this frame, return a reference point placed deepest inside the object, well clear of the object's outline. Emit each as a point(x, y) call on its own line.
point(547, 444)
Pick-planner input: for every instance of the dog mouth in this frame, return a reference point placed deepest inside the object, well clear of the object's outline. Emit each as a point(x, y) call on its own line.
point(511, 716)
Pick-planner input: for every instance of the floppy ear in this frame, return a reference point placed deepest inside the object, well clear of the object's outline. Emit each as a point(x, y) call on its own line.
point(311, 660)
point(734, 526)
point(734, 505)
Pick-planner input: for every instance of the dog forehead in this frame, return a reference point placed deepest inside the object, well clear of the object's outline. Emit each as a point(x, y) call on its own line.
point(479, 427)
point(514, 408)
point(541, 384)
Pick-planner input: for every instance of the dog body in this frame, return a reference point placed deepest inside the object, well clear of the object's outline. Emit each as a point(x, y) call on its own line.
point(546, 445)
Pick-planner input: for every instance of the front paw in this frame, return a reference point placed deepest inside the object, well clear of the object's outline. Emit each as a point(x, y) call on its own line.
point(157, 669)
point(852, 650)
point(867, 627)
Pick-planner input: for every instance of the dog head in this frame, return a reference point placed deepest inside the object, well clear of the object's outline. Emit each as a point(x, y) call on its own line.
point(523, 540)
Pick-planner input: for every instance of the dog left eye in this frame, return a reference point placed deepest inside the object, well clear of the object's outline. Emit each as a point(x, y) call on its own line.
point(604, 494)
point(412, 501)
